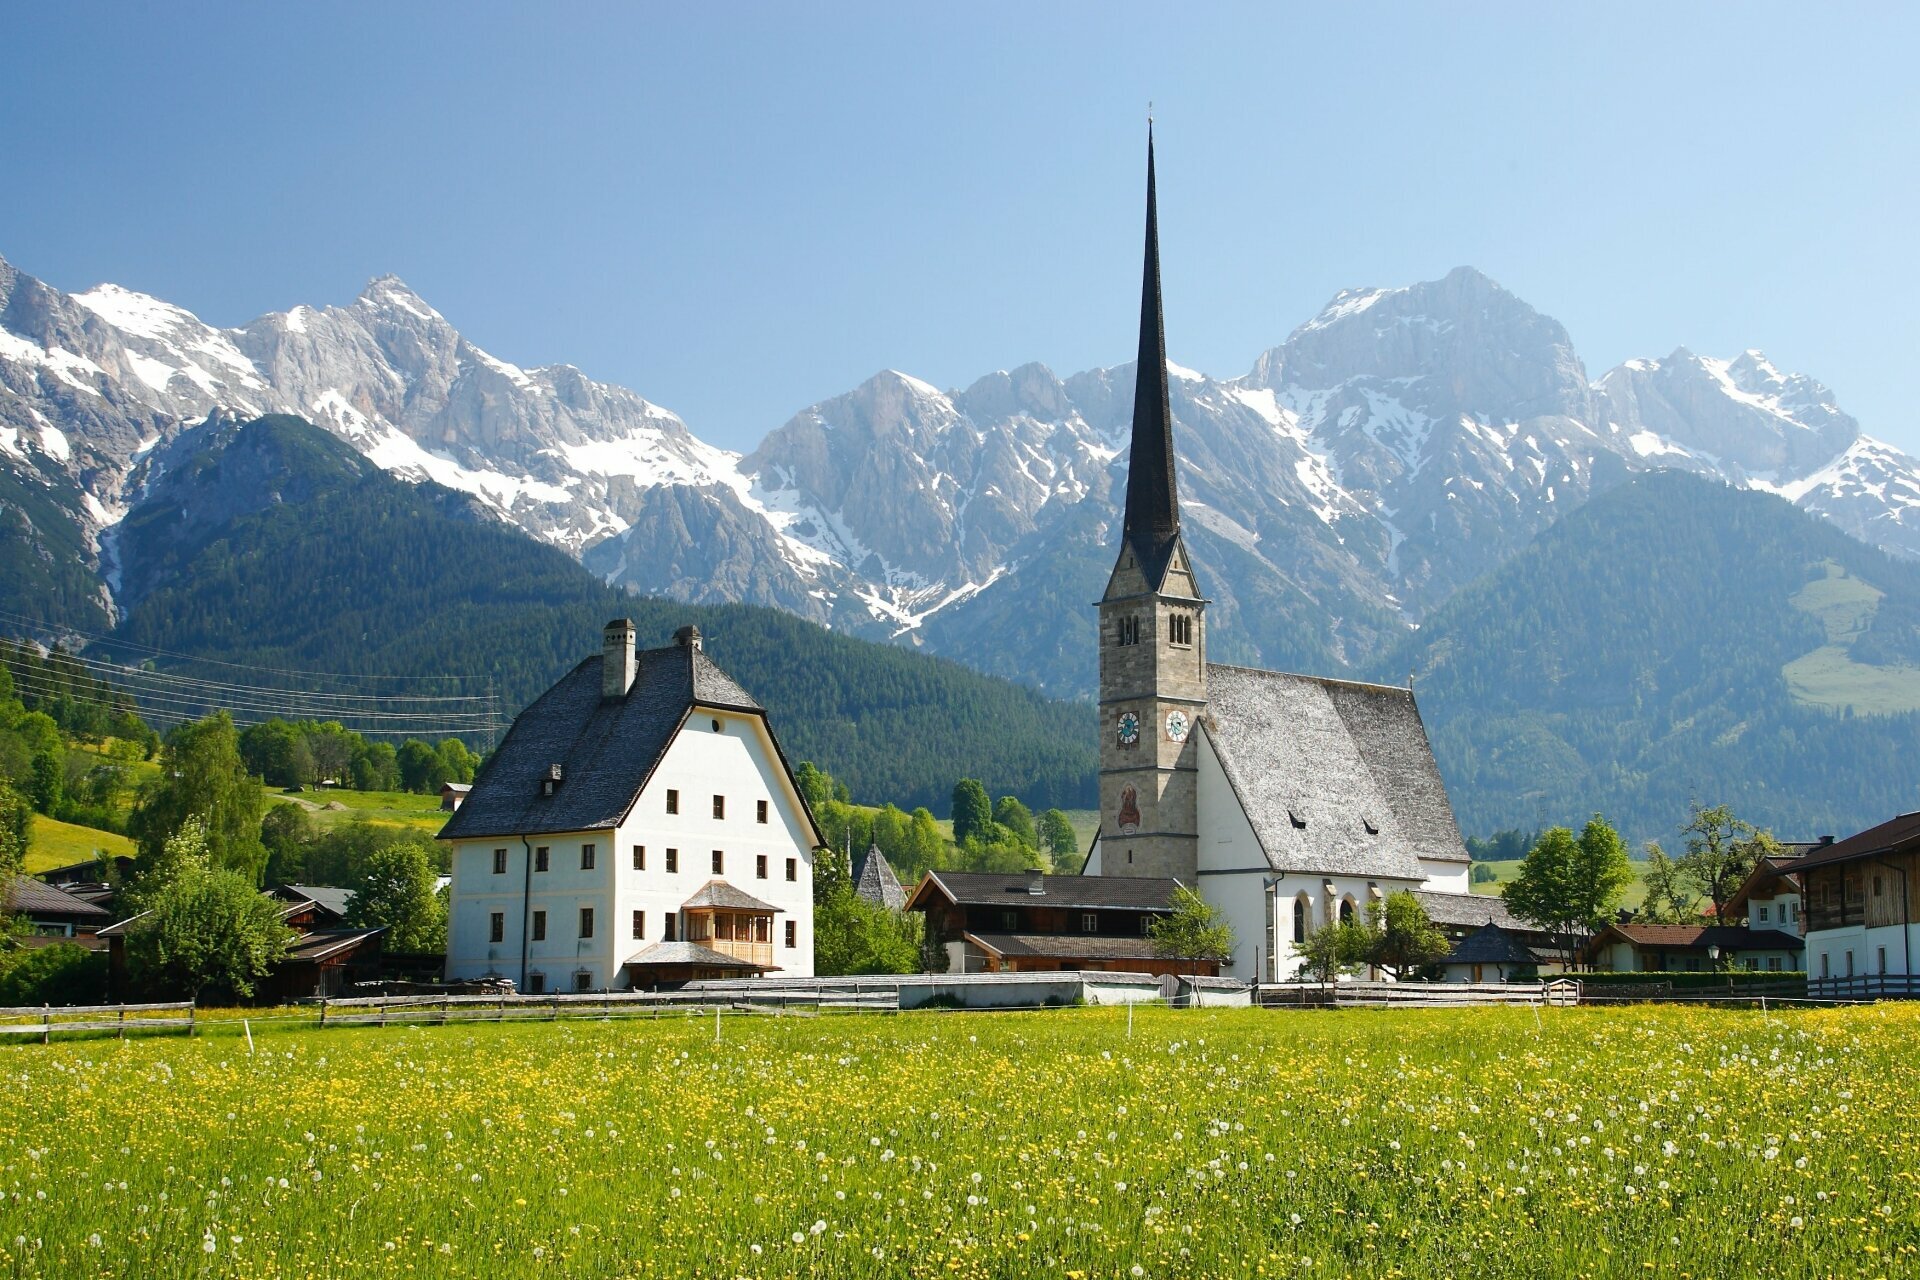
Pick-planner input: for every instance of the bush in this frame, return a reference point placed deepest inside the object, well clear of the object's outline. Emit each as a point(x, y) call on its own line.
point(64, 973)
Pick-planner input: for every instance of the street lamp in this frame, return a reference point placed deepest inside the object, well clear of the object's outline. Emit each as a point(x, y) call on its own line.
point(1713, 955)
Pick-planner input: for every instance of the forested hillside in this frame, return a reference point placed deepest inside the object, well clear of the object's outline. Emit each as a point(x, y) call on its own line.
point(1677, 639)
point(372, 575)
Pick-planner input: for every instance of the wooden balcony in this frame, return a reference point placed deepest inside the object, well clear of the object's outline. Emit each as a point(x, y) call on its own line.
point(744, 935)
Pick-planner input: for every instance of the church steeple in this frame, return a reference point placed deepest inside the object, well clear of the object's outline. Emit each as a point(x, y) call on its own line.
point(1153, 499)
point(1153, 635)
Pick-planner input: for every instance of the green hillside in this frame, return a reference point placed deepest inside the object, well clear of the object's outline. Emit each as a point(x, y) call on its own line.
point(1677, 639)
point(371, 575)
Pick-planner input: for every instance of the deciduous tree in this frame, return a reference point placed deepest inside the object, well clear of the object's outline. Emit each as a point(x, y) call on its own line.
point(1721, 853)
point(972, 811)
point(208, 932)
point(1193, 931)
point(396, 887)
point(1570, 887)
point(1407, 939)
point(201, 773)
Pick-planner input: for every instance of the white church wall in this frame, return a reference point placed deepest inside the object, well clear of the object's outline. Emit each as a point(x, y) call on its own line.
point(1233, 867)
point(1447, 877)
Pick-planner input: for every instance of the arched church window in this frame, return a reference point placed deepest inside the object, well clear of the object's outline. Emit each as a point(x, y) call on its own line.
point(1346, 911)
point(1301, 912)
point(1180, 630)
point(1127, 630)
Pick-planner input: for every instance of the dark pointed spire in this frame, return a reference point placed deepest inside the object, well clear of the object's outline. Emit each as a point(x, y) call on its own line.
point(1153, 499)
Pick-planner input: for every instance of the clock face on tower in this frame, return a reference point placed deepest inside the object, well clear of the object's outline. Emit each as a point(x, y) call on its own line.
point(1177, 726)
point(1129, 729)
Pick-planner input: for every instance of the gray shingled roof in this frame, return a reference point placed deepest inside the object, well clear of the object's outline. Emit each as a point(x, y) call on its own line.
point(1490, 944)
point(32, 898)
point(674, 953)
point(1317, 762)
point(1066, 946)
point(334, 899)
point(876, 882)
point(980, 888)
point(1469, 910)
point(606, 749)
point(718, 893)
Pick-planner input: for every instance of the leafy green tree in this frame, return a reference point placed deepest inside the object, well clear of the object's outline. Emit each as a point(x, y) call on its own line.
point(1193, 931)
point(421, 769)
point(458, 762)
point(1336, 947)
point(376, 767)
point(16, 818)
point(972, 811)
point(206, 933)
point(49, 781)
point(185, 851)
point(1483, 874)
point(1057, 837)
point(1407, 940)
point(854, 936)
point(287, 832)
point(832, 877)
point(997, 852)
point(1721, 853)
point(1017, 819)
point(275, 752)
point(62, 974)
point(1569, 887)
point(1670, 899)
point(396, 887)
point(201, 773)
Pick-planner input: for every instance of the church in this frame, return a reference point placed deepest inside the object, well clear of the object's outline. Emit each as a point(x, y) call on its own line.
point(1287, 801)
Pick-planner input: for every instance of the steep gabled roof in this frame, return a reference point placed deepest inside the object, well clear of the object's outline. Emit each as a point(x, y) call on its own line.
point(1336, 778)
point(876, 882)
point(606, 748)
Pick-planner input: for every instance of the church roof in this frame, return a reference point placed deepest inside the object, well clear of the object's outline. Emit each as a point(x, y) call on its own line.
point(1091, 893)
point(606, 748)
point(876, 882)
point(1152, 523)
point(1336, 778)
point(1468, 910)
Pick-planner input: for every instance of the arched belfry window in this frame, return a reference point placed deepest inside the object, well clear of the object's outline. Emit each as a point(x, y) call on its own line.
point(1302, 913)
point(1180, 630)
point(1127, 629)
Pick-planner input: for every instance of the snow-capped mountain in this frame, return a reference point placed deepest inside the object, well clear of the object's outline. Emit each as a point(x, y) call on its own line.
point(1394, 447)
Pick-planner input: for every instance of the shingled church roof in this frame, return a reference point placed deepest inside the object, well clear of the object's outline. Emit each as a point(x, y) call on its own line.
point(876, 882)
point(1335, 777)
point(606, 748)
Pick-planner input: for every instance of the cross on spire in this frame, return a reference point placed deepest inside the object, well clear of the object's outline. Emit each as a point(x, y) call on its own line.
point(1153, 500)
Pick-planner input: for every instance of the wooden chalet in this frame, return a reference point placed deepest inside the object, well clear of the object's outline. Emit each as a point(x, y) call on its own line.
point(985, 923)
point(52, 914)
point(1690, 948)
point(1858, 911)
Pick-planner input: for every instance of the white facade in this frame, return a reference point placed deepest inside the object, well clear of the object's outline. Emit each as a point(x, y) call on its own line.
point(497, 897)
point(1269, 910)
point(1860, 951)
point(1782, 911)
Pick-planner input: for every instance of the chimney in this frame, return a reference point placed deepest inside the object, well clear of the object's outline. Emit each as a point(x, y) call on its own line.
point(1825, 841)
point(688, 638)
point(1036, 883)
point(616, 659)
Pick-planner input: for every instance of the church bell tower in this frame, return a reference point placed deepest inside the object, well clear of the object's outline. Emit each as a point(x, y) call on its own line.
point(1153, 636)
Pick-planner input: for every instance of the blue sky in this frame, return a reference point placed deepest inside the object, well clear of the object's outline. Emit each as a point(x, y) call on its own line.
point(739, 210)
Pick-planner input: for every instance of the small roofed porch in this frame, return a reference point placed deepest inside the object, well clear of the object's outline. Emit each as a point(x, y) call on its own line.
point(674, 964)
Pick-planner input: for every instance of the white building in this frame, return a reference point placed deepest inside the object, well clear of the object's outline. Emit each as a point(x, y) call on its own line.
point(1862, 937)
point(1288, 801)
point(638, 826)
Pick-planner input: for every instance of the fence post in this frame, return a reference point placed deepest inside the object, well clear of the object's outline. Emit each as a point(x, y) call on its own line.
point(46, 1024)
point(123, 1022)
point(192, 1009)
point(323, 1011)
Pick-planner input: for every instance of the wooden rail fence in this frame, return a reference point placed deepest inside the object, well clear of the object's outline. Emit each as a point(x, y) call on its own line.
point(1415, 994)
point(98, 1017)
point(380, 1010)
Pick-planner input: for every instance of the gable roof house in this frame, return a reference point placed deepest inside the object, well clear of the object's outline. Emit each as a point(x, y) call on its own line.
point(638, 826)
point(1287, 801)
point(979, 922)
point(52, 914)
point(1858, 910)
point(1690, 948)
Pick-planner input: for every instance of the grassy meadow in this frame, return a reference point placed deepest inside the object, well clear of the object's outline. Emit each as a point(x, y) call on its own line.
point(332, 806)
point(1497, 1142)
point(53, 844)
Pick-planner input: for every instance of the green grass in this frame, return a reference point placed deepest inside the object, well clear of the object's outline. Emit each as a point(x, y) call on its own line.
point(1504, 872)
point(53, 844)
point(1075, 1143)
point(389, 808)
point(1829, 677)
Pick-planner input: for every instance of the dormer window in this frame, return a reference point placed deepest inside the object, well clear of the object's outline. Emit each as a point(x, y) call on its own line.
point(1299, 823)
point(1127, 629)
point(1371, 830)
point(1180, 630)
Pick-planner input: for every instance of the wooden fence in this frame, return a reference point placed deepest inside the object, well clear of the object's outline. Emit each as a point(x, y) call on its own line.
point(44, 1020)
point(1432, 995)
point(1879, 986)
